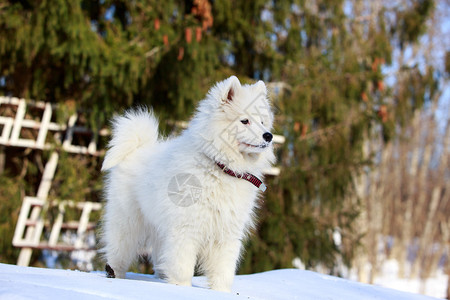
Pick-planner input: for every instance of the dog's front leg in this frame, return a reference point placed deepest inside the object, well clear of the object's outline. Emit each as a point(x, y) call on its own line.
point(177, 260)
point(220, 264)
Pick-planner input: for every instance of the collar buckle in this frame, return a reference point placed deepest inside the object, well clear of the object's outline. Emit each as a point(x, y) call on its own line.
point(262, 187)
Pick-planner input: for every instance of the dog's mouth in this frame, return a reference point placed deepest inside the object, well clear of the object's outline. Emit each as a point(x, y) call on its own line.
point(261, 146)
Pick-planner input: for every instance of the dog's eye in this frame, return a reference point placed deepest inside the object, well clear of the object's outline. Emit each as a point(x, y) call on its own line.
point(245, 121)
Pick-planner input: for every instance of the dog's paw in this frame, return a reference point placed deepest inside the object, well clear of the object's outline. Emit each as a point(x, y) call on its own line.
point(109, 272)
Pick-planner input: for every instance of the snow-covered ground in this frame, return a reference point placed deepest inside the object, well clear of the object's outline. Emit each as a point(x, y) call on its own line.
point(20, 283)
point(435, 286)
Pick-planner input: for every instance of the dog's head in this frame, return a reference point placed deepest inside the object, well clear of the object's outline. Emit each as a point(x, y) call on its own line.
point(248, 115)
point(234, 123)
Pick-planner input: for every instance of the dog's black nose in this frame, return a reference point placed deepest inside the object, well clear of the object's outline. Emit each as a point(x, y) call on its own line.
point(267, 137)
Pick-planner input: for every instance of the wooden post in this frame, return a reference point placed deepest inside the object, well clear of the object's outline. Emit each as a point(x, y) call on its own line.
point(84, 220)
point(40, 142)
point(44, 187)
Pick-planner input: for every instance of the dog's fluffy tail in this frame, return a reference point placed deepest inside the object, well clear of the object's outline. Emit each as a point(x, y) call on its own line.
point(137, 127)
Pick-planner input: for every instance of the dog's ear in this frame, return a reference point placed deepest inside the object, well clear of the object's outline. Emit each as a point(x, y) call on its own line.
point(233, 86)
point(261, 87)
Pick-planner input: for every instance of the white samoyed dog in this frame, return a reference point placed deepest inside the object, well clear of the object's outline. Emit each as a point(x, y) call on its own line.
point(188, 201)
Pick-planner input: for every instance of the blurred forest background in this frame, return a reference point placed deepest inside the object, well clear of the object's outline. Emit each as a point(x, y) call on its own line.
point(360, 89)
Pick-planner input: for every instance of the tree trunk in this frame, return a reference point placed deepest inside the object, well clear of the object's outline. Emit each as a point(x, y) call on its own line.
point(2, 159)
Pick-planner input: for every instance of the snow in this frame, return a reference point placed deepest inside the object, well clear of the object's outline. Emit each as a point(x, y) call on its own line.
point(35, 283)
point(435, 285)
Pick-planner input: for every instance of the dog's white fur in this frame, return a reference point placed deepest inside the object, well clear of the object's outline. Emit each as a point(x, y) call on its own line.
point(141, 217)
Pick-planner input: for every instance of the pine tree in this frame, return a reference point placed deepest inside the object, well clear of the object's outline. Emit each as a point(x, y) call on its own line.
point(332, 60)
point(100, 57)
point(106, 55)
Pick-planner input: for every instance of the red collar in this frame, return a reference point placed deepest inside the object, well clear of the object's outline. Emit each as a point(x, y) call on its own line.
point(247, 176)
